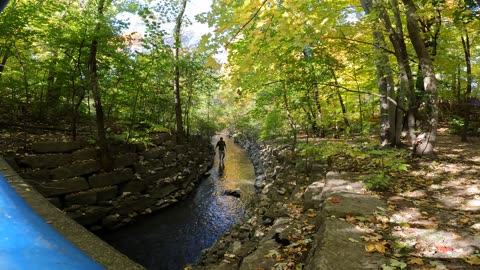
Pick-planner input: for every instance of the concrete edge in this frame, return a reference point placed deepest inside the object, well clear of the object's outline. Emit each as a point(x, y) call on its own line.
point(86, 241)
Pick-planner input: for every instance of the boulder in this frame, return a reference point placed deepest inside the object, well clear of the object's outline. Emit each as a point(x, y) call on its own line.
point(262, 257)
point(352, 204)
point(125, 160)
point(106, 193)
point(85, 154)
point(154, 153)
point(135, 185)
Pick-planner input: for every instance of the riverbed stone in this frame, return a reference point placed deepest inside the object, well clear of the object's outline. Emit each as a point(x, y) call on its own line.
point(60, 187)
point(55, 147)
point(110, 178)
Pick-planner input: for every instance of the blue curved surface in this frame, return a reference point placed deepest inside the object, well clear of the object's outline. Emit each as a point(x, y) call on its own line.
point(28, 242)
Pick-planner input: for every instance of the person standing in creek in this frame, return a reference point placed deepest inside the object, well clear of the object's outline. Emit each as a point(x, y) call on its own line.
point(222, 147)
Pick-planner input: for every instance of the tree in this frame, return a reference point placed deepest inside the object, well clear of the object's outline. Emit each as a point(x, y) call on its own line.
point(176, 89)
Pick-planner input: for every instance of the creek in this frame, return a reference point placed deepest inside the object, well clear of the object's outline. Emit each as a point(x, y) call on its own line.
point(175, 236)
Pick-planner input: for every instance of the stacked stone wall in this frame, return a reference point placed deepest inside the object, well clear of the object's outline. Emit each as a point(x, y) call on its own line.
point(144, 179)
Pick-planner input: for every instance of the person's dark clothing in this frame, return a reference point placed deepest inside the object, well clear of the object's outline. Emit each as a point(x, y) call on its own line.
point(221, 145)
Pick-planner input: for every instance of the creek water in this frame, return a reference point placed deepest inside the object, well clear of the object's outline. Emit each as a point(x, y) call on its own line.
point(176, 235)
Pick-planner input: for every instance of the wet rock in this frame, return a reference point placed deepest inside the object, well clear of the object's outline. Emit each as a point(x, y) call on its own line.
point(110, 178)
point(232, 192)
point(60, 187)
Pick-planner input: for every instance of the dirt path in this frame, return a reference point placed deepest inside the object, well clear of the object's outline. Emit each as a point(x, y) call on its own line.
point(435, 213)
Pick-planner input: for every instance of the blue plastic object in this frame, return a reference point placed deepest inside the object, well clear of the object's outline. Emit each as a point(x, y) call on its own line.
point(28, 242)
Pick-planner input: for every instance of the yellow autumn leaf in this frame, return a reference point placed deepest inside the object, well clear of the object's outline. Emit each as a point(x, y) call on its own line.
point(380, 247)
point(473, 260)
point(370, 247)
point(311, 214)
point(417, 261)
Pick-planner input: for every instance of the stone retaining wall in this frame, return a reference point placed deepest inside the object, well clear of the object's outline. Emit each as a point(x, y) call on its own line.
point(144, 179)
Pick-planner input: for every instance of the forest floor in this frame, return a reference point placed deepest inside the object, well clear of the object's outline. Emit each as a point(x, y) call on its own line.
point(433, 215)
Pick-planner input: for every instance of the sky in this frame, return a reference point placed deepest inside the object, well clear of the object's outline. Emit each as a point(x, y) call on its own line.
point(194, 7)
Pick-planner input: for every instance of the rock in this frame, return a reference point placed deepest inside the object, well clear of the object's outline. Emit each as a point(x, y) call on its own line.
point(85, 154)
point(110, 178)
point(312, 197)
point(338, 245)
point(162, 191)
point(135, 185)
point(111, 220)
point(351, 204)
point(125, 160)
point(123, 148)
point(338, 182)
point(258, 259)
point(55, 147)
point(106, 193)
point(75, 169)
point(81, 198)
point(154, 153)
point(60, 187)
point(232, 192)
point(36, 175)
point(45, 161)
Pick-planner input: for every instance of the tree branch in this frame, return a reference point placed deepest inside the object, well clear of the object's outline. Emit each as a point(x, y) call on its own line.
point(247, 23)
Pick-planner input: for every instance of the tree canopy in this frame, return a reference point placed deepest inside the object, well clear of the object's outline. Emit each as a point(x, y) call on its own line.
point(320, 68)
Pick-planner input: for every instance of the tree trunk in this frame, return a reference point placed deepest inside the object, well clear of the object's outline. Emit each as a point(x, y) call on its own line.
point(105, 156)
point(176, 87)
point(467, 101)
point(425, 143)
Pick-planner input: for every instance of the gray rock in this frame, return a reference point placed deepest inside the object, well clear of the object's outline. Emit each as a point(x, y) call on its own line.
point(339, 182)
point(352, 204)
point(260, 258)
point(312, 197)
point(154, 153)
point(338, 246)
point(135, 185)
point(85, 154)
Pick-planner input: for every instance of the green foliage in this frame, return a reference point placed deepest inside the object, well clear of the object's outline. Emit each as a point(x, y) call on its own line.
point(378, 166)
point(272, 125)
point(456, 124)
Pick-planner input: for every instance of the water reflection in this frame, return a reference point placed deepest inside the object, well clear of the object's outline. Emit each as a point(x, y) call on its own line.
point(175, 236)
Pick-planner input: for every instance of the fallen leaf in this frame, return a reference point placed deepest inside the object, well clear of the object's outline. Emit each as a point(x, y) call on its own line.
point(473, 260)
point(352, 240)
point(417, 261)
point(369, 247)
point(444, 249)
point(380, 247)
point(334, 200)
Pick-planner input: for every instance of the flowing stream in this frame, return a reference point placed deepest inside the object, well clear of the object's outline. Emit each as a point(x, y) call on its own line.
point(176, 235)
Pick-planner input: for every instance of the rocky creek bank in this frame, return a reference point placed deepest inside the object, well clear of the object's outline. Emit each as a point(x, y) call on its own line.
point(298, 218)
point(144, 179)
